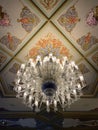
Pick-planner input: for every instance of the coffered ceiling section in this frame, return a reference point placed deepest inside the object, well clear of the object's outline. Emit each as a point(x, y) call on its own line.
point(78, 21)
point(48, 7)
point(63, 27)
point(19, 21)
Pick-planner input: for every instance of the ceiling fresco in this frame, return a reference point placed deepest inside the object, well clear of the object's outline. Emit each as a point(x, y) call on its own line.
point(63, 27)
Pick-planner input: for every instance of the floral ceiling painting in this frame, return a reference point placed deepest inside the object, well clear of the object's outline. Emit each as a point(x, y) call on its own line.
point(64, 27)
point(19, 25)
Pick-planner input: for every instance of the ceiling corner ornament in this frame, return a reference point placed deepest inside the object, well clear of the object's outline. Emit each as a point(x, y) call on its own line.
point(50, 82)
point(3, 58)
point(92, 17)
point(69, 19)
point(48, 5)
point(87, 41)
point(28, 19)
point(11, 42)
point(95, 58)
point(4, 18)
point(45, 45)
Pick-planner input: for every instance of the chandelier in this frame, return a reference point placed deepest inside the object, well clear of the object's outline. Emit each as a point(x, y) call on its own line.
point(49, 81)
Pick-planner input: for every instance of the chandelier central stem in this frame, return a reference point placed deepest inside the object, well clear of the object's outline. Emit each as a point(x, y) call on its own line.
point(49, 88)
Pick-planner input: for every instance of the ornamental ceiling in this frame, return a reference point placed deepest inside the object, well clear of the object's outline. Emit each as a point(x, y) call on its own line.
point(63, 27)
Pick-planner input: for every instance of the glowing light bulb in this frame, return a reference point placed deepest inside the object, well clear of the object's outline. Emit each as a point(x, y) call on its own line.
point(22, 66)
point(36, 103)
point(81, 78)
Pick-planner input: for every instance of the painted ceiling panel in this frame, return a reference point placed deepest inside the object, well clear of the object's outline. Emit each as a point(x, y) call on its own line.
point(49, 39)
point(19, 25)
point(73, 21)
point(93, 58)
point(8, 77)
point(48, 7)
point(91, 78)
point(4, 58)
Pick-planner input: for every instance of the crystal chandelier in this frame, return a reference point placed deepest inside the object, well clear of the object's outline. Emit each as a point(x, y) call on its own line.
point(49, 81)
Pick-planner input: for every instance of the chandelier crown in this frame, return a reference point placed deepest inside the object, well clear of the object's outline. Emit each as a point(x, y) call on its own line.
point(49, 80)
